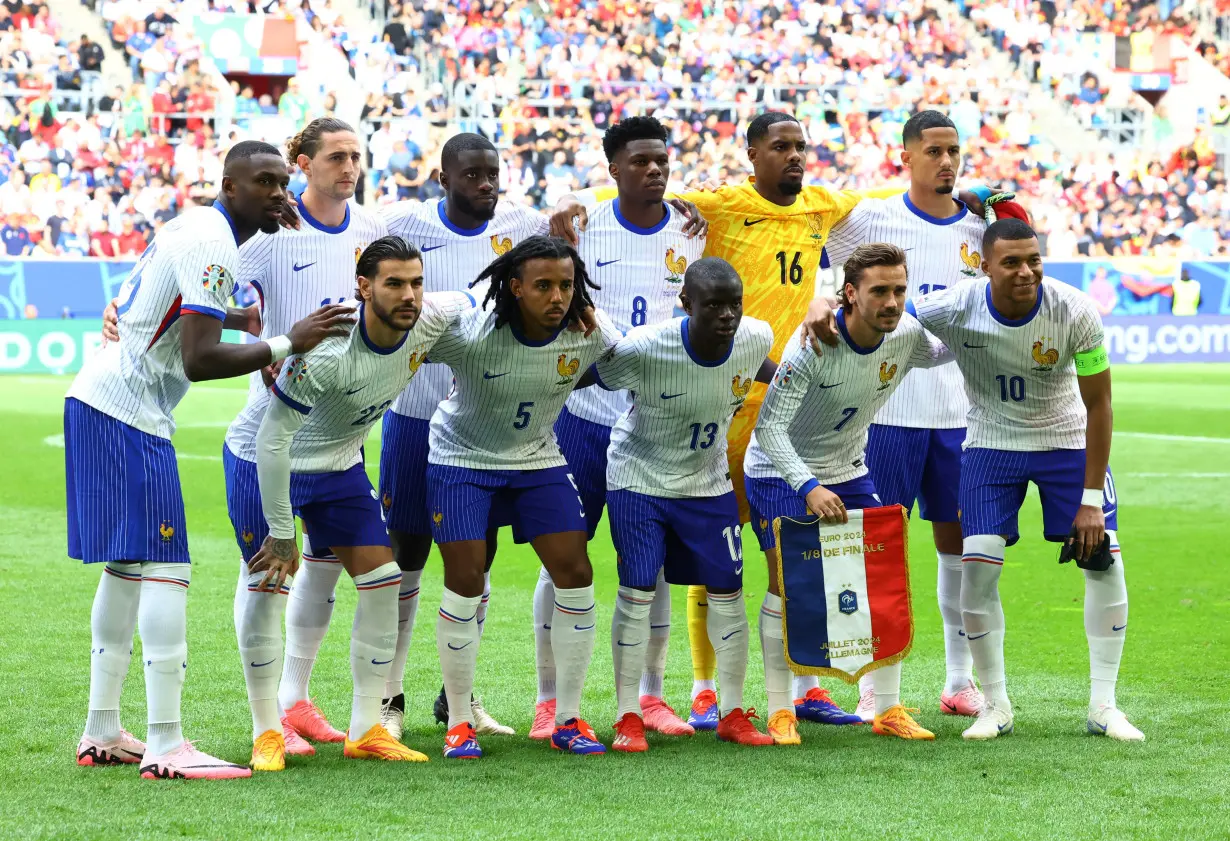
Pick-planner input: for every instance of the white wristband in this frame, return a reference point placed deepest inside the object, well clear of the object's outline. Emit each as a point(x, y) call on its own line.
point(1092, 497)
point(279, 347)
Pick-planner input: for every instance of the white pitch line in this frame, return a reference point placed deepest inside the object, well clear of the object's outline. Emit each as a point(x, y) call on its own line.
point(1156, 436)
point(1176, 475)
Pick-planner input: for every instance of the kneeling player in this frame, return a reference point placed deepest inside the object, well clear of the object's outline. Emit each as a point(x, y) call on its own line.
point(668, 489)
point(309, 460)
point(493, 458)
point(807, 453)
point(1036, 373)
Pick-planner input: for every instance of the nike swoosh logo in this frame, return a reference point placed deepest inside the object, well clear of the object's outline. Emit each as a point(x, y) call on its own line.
point(546, 627)
point(626, 644)
point(266, 663)
point(980, 636)
point(739, 570)
point(586, 628)
point(1118, 627)
point(604, 263)
point(747, 223)
point(972, 347)
point(300, 268)
point(666, 396)
point(357, 390)
point(834, 385)
point(458, 647)
point(960, 633)
point(731, 634)
point(427, 248)
point(376, 662)
point(1003, 727)
point(487, 375)
point(332, 600)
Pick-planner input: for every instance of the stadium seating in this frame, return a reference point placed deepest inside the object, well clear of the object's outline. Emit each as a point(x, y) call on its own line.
point(544, 87)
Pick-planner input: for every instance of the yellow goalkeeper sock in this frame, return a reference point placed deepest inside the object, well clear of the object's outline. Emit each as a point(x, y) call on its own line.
point(704, 661)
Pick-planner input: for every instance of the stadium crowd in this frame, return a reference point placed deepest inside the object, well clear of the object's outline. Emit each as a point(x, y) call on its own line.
point(100, 182)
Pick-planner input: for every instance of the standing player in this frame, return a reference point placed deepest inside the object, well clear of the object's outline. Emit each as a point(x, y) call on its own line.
point(294, 271)
point(772, 229)
point(493, 458)
point(117, 429)
point(807, 452)
point(637, 249)
point(914, 447)
point(309, 456)
point(672, 505)
point(1030, 349)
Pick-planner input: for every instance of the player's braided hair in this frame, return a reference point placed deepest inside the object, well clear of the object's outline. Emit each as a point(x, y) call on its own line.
point(867, 256)
point(307, 142)
point(508, 265)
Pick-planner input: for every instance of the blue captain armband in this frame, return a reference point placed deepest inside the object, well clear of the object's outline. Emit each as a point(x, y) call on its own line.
point(1092, 361)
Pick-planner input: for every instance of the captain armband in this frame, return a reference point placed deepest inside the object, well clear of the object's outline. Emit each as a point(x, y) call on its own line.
point(1092, 361)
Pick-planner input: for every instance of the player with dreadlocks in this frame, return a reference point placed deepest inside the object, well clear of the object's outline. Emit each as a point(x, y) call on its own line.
point(493, 460)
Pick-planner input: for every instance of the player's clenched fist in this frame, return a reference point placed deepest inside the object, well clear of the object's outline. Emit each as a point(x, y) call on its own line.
point(826, 505)
point(330, 320)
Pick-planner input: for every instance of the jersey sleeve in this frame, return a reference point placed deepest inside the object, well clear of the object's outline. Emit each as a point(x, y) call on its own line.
point(399, 217)
point(852, 230)
point(781, 404)
point(928, 350)
point(620, 367)
point(1087, 332)
point(254, 264)
point(305, 378)
point(273, 440)
point(449, 349)
point(935, 311)
point(763, 338)
point(206, 276)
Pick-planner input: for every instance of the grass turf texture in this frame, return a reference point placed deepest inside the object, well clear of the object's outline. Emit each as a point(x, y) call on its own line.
point(1049, 780)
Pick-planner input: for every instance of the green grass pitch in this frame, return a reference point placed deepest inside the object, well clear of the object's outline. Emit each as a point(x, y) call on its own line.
point(1049, 780)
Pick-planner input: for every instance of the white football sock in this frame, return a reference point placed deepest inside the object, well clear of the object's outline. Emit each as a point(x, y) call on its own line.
point(260, 646)
point(728, 629)
point(699, 686)
point(777, 677)
point(865, 684)
point(956, 648)
point(886, 683)
point(805, 683)
point(983, 614)
point(373, 641)
point(162, 618)
point(457, 645)
point(1106, 618)
point(629, 639)
point(544, 657)
point(659, 639)
point(241, 596)
point(308, 611)
point(480, 615)
point(112, 622)
point(407, 609)
point(572, 641)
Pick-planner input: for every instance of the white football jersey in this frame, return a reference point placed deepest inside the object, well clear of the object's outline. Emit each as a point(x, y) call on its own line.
point(640, 272)
point(345, 384)
point(187, 271)
point(672, 441)
point(295, 273)
point(814, 420)
point(508, 392)
point(453, 258)
point(1020, 375)
point(939, 254)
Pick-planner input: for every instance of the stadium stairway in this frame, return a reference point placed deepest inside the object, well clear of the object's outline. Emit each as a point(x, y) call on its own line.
point(77, 19)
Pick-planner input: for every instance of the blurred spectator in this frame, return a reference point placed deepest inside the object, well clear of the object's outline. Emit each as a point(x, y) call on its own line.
point(103, 243)
point(16, 237)
point(131, 242)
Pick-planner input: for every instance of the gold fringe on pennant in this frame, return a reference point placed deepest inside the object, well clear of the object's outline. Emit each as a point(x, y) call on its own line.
point(829, 671)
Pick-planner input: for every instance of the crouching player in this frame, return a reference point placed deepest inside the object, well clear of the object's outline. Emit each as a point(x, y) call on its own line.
point(668, 488)
point(807, 454)
point(309, 461)
point(1030, 349)
point(493, 459)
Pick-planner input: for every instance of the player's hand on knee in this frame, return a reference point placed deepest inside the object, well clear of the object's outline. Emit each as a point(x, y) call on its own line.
point(697, 225)
point(329, 320)
point(820, 324)
point(568, 217)
point(278, 558)
point(1090, 528)
point(826, 505)
point(111, 322)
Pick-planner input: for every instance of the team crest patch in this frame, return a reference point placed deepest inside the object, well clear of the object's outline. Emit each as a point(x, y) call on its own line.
point(784, 375)
point(815, 221)
point(971, 259)
point(298, 370)
point(387, 501)
point(886, 375)
point(675, 266)
point(247, 536)
point(358, 252)
point(1046, 359)
point(501, 245)
point(739, 387)
point(166, 531)
point(437, 518)
point(416, 360)
point(567, 368)
point(847, 602)
point(214, 276)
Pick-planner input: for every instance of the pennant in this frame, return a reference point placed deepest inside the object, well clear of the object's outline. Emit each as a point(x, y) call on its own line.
point(845, 592)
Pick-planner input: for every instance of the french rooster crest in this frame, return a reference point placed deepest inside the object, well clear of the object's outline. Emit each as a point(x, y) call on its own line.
point(567, 369)
point(886, 375)
point(972, 259)
point(739, 387)
point(166, 531)
point(675, 266)
point(501, 245)
point(1046, 359)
